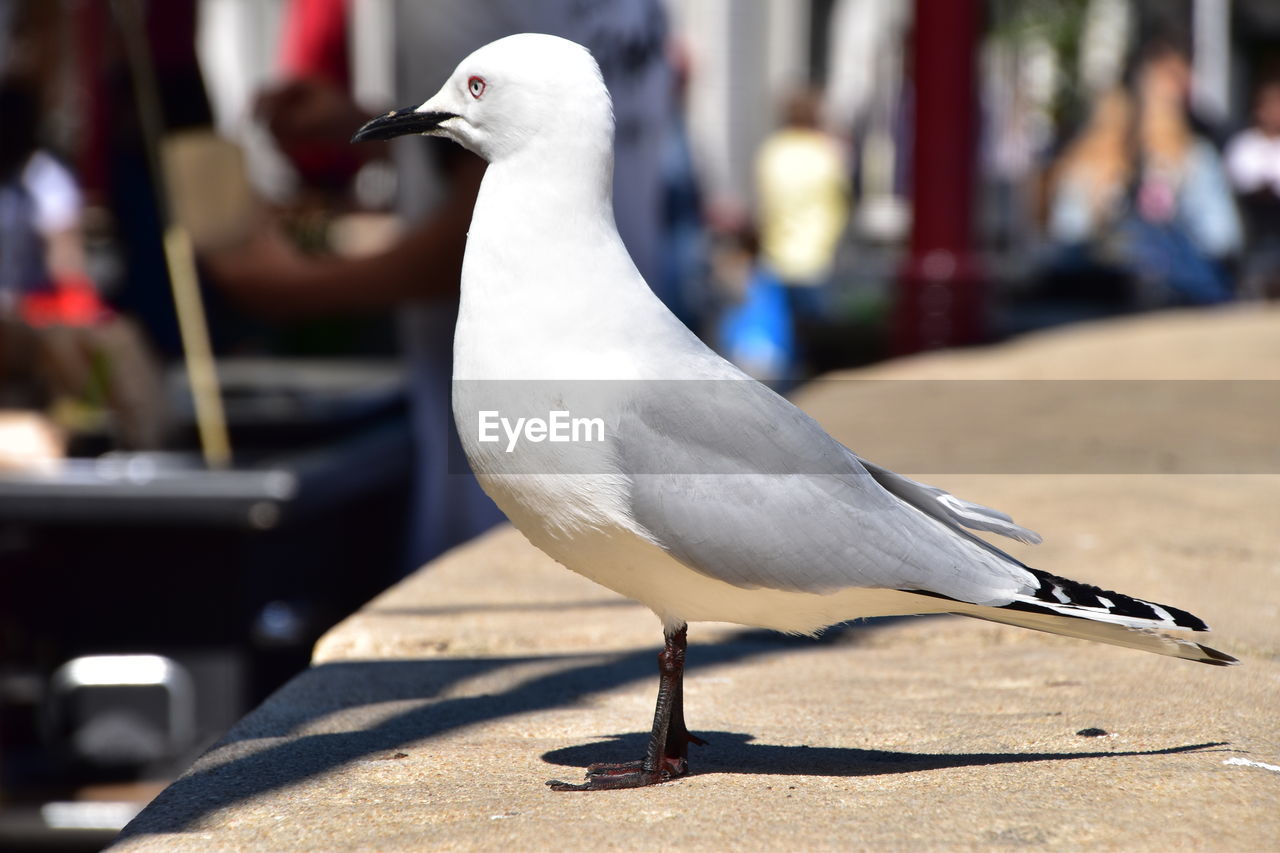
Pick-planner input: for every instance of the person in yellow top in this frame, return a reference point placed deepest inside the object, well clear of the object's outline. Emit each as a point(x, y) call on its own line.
point(803, 187)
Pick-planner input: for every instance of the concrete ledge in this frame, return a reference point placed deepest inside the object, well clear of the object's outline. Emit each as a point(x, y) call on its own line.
point(432, 716)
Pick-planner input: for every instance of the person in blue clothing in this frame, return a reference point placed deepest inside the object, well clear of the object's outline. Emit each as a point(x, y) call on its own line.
point(1140, 194)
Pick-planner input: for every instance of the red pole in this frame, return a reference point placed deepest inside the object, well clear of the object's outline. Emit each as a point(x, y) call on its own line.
point(940, 301)
point(91, 98)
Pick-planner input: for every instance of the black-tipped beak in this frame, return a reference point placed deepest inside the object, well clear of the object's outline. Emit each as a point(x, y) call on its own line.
point(399, 123)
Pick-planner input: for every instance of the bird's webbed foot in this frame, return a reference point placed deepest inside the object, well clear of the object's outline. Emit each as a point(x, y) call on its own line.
point(627, 774)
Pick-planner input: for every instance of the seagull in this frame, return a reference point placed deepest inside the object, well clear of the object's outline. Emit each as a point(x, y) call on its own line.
point(704, 495)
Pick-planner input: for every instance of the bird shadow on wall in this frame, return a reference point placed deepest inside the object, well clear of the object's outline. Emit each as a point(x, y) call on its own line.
point(735, 752)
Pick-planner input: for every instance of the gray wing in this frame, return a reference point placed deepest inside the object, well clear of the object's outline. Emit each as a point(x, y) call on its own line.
point(740, 485)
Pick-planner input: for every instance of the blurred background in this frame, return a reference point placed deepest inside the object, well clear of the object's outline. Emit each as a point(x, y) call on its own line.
point(225, 331)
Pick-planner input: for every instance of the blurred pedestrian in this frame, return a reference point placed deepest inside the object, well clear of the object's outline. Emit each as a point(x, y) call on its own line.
point(40, 201)
point(1091, 179)
point(1185, 228)
point(62, 347)
point(684, 286)
point(802, 186)
point(1143, 199)
point(1253, 162)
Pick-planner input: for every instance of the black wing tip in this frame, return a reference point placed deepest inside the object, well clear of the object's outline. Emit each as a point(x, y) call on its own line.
point(1183, 619)
point(1210, 656)
point(1089, 595)
point(1187, 620)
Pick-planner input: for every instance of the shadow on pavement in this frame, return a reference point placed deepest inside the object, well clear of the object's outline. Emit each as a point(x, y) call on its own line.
point(734, 752)
point(264, 753)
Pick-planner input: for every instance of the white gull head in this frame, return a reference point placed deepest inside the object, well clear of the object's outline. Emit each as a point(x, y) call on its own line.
point(526, 91)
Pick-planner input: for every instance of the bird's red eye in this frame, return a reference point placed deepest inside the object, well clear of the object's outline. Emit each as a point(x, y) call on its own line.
point(475, 86)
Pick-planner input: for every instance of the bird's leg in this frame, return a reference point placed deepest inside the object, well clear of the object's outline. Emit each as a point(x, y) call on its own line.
point(676, 749)
point(667, 754)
